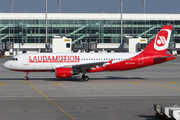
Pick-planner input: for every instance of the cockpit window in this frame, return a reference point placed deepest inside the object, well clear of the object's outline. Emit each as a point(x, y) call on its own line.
point(14, 59)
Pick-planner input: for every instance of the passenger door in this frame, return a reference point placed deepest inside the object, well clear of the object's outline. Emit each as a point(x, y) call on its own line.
point(25, 60)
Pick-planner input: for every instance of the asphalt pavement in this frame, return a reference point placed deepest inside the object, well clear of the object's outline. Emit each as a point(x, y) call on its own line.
point(127, 95)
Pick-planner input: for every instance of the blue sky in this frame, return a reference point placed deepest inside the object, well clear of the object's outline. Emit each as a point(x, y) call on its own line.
point(91, 6)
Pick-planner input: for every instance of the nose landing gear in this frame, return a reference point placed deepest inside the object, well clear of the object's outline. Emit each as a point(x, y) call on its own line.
point(26, 77)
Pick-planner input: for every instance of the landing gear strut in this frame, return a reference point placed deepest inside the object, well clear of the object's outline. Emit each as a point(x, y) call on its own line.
point(26, 77)
point(85, 77)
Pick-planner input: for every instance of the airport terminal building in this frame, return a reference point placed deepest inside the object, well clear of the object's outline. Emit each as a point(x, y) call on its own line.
point(98, 27)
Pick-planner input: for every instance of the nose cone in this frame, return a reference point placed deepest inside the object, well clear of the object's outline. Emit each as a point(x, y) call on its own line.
point(6, 65)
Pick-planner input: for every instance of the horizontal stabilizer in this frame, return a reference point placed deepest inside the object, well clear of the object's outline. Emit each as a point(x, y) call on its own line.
point(165, 57)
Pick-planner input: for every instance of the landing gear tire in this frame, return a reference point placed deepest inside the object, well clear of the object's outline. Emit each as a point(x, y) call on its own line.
point(86, 78)
point(26, 78)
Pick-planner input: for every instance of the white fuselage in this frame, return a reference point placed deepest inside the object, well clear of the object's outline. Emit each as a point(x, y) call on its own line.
point(50, 61)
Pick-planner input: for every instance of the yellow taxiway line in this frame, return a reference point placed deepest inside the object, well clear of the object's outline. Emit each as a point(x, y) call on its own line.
point(49, 100)
point(163, 84)
point(3, 84)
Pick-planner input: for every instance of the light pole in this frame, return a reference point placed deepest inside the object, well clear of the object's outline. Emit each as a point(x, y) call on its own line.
point(0, 30)
point(11, 2)
point(121, 23)
point(143, 4)
point(46, 27)
point(59, 3)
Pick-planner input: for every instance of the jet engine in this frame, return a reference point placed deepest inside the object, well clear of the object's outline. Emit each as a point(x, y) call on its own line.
point(65, 72)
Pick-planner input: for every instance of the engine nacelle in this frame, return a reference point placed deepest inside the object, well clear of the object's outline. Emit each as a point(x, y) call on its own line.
point(63, 72)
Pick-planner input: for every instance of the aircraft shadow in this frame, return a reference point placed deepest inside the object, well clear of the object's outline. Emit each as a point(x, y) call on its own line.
point(149, 117)
point(116, 78)
point(77, 78)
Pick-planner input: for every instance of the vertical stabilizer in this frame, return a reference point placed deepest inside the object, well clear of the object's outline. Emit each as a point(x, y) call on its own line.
point(160, 42)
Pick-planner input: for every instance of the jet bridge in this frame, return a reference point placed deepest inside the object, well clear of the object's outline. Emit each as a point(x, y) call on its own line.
point(136, 44)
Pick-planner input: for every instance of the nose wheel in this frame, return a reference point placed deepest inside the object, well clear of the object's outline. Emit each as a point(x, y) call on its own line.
point(26, 77)
point(85, 77)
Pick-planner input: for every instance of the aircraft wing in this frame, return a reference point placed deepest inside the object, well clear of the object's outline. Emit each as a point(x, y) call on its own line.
point(88, 65)
point(84, 66)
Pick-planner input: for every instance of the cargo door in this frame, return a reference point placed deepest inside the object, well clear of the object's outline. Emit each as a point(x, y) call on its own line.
point(140, 59)
point(26, 60)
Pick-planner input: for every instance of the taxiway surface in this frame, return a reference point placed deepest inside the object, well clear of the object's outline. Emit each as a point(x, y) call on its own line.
point(127, 95)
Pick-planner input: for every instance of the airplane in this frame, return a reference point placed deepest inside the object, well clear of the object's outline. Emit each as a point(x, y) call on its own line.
point(68, 64)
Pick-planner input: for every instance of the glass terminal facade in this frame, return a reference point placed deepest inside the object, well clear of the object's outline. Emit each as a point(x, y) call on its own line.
point(101, 31)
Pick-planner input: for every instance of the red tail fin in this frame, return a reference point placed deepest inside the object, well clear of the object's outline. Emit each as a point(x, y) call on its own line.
point(160, 42)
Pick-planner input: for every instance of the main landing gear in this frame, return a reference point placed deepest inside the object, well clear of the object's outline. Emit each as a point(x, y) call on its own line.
point(26, 77)
point(85, 77)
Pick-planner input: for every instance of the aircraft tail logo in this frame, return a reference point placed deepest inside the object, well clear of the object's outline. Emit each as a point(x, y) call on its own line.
point(162, 39)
